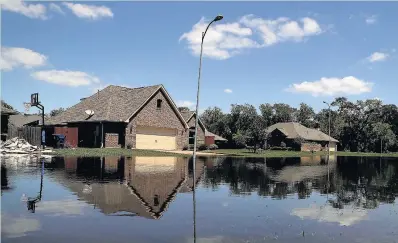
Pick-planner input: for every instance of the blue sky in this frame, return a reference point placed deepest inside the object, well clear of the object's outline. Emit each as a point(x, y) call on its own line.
point(261, 52)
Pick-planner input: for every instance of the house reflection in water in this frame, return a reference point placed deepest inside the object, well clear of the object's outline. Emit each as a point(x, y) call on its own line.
point(131, 186)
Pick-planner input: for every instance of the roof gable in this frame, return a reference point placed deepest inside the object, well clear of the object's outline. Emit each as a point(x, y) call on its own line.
point(113, 104)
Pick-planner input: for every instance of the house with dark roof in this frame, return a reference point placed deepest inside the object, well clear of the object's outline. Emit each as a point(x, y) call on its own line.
point(5, 116)
point(142, 118)
point(204, 136)
point(297, 136)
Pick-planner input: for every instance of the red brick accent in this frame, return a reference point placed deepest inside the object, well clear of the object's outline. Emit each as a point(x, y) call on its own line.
point(112, 140)
point(209, 140)
point(311, 147)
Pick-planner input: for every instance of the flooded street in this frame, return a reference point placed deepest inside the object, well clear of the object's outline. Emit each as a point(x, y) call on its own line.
point(150, 199)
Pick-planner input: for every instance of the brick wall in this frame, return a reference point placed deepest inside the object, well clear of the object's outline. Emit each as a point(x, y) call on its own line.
point(311, 147)
point(151, 116)
point(201, 132)
point(112, 140)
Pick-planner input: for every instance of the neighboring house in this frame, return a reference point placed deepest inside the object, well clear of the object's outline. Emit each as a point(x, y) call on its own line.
point(142, 118)
point(5, 116)
point(21, 120)
point(289, 132)
point(204, 136)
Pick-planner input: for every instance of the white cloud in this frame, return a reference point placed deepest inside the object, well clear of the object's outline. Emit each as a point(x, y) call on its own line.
point(18, 226)
point(377, 57)
point(186, 103)
point(36, 11)
point(228, 91)
point(332, 86)
point(62, 207)
point(224, 40)
point(12, 57)
point(345, 217)
point(56, 8)
point(371, 19)
point(66, 78)
point(89, 11)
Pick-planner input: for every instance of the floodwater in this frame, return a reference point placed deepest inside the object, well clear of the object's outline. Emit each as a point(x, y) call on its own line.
point(151, 199)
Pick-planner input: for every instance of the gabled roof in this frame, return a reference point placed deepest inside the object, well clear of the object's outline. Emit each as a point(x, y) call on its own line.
point(294, 130)
point(112, 104)
point(7, 111)
point(188, 115)
point(23, 119)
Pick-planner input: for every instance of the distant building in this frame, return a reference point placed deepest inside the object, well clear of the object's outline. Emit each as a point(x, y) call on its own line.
point(5, 116)
point(291, 132)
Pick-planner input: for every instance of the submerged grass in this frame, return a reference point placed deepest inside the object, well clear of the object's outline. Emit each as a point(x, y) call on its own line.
point(99, 152)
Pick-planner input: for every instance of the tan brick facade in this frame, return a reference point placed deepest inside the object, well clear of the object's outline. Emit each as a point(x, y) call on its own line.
point(151, 116)
point(311, 147)
point(201, 132)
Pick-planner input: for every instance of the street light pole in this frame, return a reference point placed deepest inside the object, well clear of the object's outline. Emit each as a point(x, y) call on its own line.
point(329, 127)
point(219, 17)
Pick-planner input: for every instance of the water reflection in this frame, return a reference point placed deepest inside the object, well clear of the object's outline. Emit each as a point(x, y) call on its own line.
point(343, 191)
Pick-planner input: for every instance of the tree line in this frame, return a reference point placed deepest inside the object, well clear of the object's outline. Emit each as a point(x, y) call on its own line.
point(361, 126)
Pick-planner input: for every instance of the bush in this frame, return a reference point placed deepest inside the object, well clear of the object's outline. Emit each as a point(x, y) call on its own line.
point(202, 147)
point(213, 147)
point(283, 144)
point(239, 140)
point(128, 146)
point(185, 147)
point(280, 148)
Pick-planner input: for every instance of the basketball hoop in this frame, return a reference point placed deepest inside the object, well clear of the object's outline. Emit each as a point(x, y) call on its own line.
point(27, 106)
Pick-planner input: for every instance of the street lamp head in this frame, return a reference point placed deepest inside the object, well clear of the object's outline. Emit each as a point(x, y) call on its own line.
point(219, 17)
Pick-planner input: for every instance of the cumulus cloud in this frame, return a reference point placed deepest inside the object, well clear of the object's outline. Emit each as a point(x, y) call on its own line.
point(14, 227)
point(66, 78)
point(186, 103)
point(89, 11)
point(56, 8)
point(345, 217)
point(332, 86)
point(377, 57)
point(224, 40)
point(371, 19)
point(228, 91)
point(35, 11)
point(12, 57)
point(62, 207)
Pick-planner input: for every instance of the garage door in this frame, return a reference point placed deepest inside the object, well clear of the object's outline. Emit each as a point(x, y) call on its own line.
point(156, 138)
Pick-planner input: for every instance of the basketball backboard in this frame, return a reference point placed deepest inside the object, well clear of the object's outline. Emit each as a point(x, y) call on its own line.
point(34, 99)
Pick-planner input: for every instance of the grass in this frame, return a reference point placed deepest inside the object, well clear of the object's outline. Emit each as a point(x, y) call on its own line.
point(99, 152)
point(278, 153)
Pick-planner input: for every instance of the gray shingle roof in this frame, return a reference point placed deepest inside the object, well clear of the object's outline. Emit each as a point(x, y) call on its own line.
point(21, 119)
point(7, 111)
point(187, 114)
point(294, 130)
point(113, 103)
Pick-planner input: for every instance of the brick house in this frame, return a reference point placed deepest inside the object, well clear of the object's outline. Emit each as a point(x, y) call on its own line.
point(290, 132)
point(204, 136)
point(142, 118)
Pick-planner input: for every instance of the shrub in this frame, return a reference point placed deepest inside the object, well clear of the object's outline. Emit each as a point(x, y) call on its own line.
point(128, 146)
point(283, 144)
point(202, 147)
point(213, 147)
point(185, 147)
point(239, 140)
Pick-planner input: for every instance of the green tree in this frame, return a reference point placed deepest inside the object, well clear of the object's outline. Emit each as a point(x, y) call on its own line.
point(56, 112)
point(306, 115)
point(267, 111)
point(283, 113)
point(385, 134)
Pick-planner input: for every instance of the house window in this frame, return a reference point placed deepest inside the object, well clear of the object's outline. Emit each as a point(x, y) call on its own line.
point(159, 103)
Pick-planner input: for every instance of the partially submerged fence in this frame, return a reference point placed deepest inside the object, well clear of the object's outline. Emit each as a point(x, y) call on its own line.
point(29, 133)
